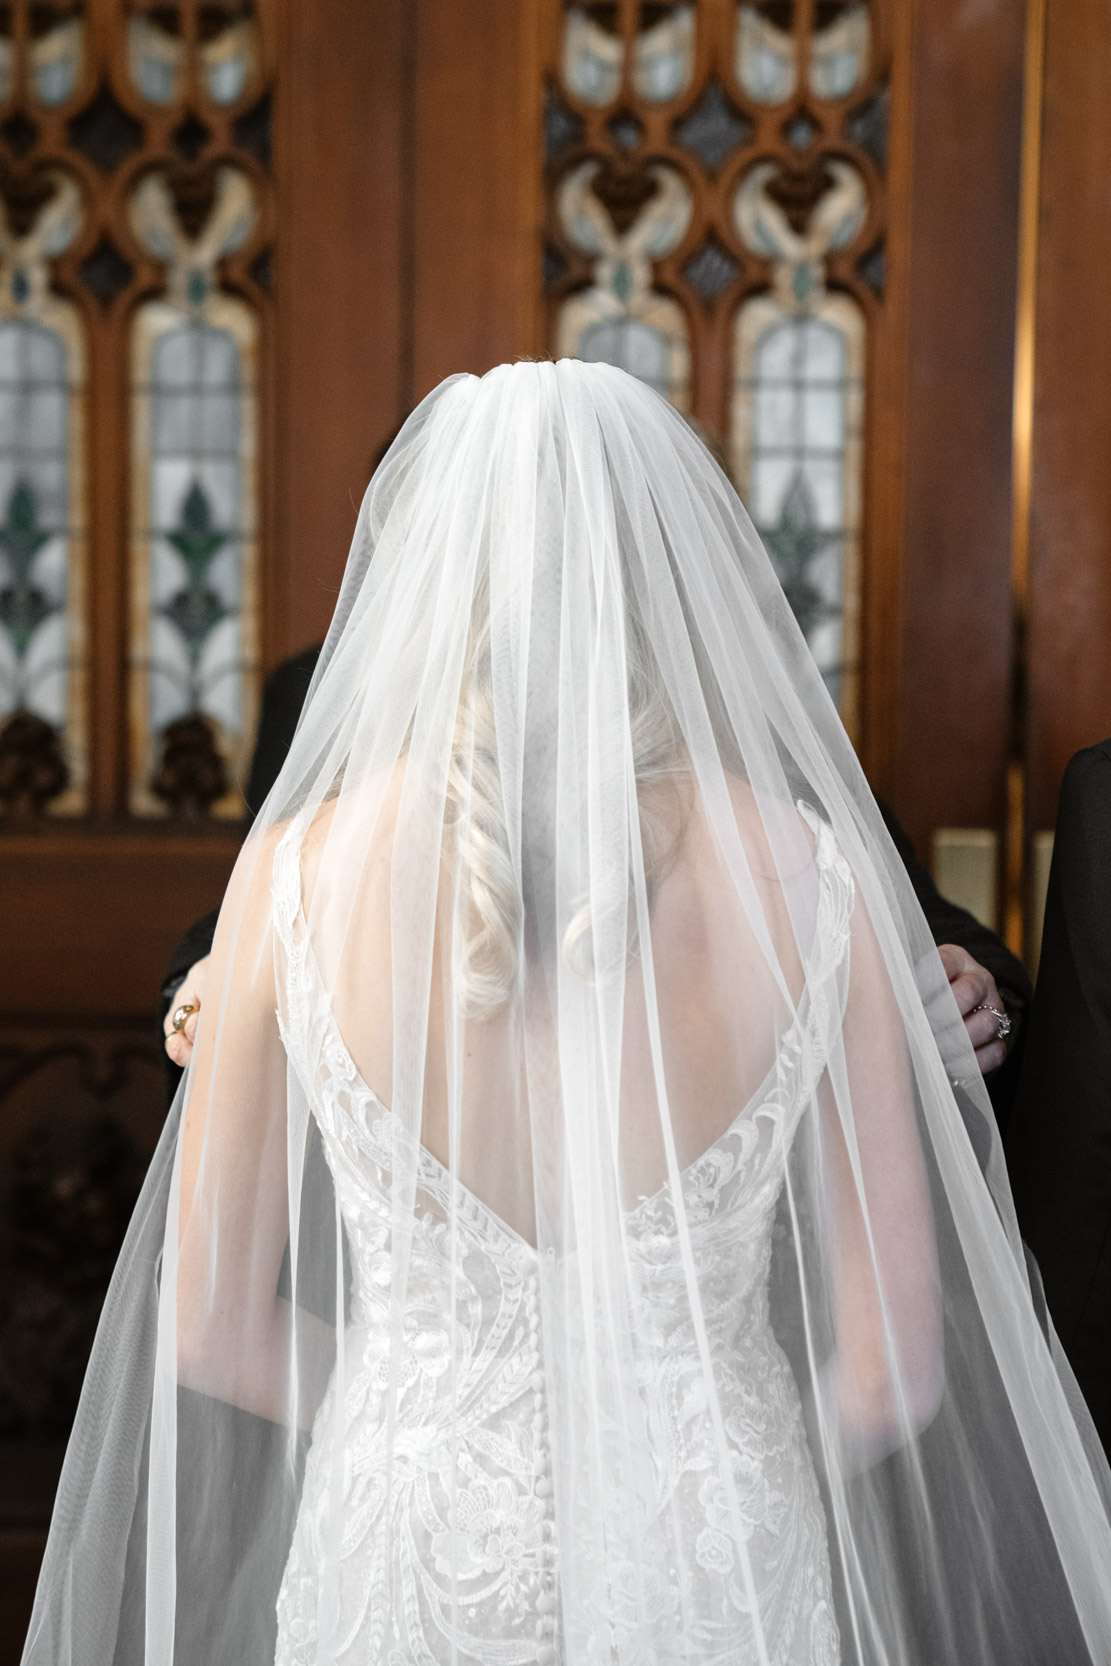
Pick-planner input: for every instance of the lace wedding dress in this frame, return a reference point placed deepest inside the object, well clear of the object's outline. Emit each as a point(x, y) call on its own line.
point(765, 1385)
point(469, 1490)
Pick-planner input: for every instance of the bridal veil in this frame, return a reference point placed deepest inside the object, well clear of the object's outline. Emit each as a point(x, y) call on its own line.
point(570, 943)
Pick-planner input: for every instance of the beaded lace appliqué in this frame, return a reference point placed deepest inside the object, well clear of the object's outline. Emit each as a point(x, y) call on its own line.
point(447, 1547)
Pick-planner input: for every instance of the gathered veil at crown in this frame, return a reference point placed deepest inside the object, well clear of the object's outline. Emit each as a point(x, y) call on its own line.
point(581, 1235)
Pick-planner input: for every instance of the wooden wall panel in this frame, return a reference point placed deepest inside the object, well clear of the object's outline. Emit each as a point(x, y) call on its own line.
point(340, 205)
point(409, 176)
point(477, 183)
point(955, 636)
point(1069, 638)
point(88, 923)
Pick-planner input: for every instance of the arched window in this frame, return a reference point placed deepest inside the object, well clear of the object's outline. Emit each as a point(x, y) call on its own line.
point(42, 511)
point(797, 459)
point(715, 213)
point(194, 513)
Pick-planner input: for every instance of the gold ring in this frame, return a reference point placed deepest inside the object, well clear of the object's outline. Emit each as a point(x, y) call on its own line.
point(180, 1015)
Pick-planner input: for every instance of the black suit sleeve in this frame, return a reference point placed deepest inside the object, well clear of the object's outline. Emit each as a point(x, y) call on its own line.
point(1059, 1147)
point(949, 923)
point(282, 699)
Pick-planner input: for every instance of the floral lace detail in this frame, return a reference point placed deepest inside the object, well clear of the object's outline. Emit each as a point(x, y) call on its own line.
point(447, 1550)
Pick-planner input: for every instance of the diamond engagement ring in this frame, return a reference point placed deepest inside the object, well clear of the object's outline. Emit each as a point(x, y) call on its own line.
point(1002, 1022)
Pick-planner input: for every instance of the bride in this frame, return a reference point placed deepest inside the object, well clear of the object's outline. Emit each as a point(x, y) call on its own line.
point(569, 1245)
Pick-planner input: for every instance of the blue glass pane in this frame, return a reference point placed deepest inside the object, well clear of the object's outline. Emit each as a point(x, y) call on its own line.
point(56, 61)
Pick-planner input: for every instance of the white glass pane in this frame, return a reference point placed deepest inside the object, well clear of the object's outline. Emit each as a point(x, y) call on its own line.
point(664, 57)
point(765, 58)
point(174, 478)
point(45, 412)
point(34, 513)
point(825, 478)
point(171, 674)
point(155, 59)
point(224, 574)
point(591, 59)
point(195, 356)
point(770, 479)
point(50, 566)
point(171, 478)
point(225, 82)
point(777, 416)
point(56, 60)
point(219, 675)
point(168, 572)
point(823, 419)
point(630, 344)
point(776, 353)
point(824, 641)
point(823, 352)
point(839, 54)
point(45, 668)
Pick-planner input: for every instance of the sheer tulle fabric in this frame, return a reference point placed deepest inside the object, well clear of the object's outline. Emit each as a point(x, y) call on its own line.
point(581, 1235)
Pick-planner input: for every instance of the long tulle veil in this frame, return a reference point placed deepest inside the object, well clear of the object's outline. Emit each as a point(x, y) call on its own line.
point(569, 1002)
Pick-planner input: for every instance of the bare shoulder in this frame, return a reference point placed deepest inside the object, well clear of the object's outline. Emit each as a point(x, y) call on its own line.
point(355, 829)
point(776, 836)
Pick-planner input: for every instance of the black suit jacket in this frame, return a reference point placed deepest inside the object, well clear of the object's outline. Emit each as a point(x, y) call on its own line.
point(1059, 1147)
point(282, 699)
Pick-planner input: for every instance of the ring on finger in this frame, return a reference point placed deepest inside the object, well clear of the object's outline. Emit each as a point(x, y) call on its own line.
point(185, 1011)
point(1002, 1022)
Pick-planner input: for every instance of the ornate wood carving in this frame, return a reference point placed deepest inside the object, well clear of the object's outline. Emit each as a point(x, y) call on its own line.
point(80, 1111)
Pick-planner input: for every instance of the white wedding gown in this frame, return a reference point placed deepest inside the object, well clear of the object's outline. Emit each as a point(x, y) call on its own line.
point(539, 869)
point(470, 1486)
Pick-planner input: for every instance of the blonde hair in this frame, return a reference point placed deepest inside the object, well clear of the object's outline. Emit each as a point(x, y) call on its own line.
point(476, 836)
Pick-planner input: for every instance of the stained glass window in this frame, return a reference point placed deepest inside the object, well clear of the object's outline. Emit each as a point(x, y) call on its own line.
point(797, 418)
point(42, 510)
point(592, 57)
point(156, 56)
point(839, 54)
point(715, 213)
point(194, 555)
point(663, 56)
point(56, 47)
point(228, 60)
point(766, 63)
point(620, 318)
point(142, 121)
point(227, 52)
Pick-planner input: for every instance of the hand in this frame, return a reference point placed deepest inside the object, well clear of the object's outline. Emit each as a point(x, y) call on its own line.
point(179, 1044)
point(973, 986)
